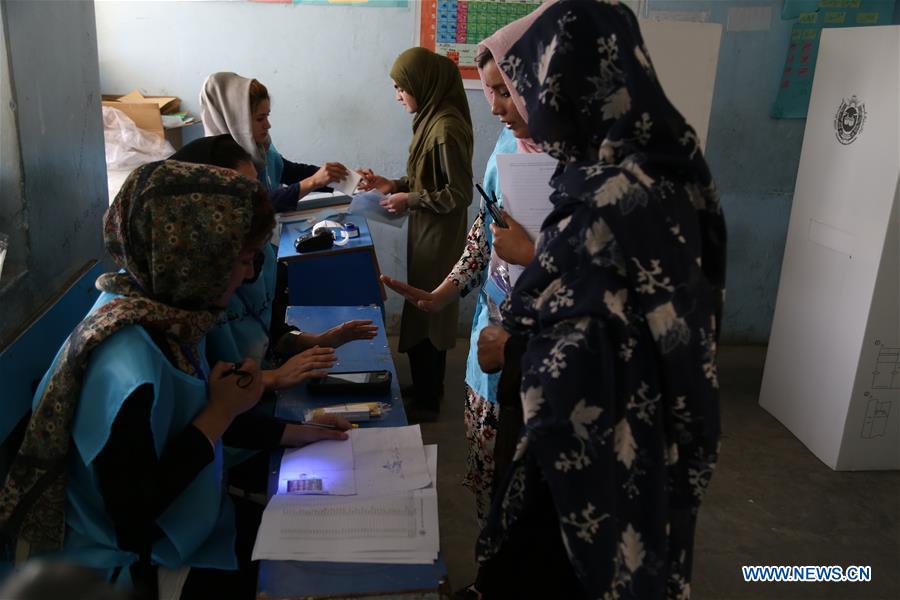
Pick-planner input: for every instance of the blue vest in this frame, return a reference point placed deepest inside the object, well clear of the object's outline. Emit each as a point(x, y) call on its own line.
point(271, 179)
point(198, 526)
point(243, 329)
point(484, 384)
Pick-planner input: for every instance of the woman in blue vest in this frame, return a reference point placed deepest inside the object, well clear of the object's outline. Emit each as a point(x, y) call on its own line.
point(246, 326)
point(239, 106)
point(121, 465)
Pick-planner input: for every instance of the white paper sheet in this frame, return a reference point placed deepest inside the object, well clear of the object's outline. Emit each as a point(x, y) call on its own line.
point(367, 205)
point(397, 528)
point(348, 184)
point(525, 185)
point(389, 459)
point(325, 467)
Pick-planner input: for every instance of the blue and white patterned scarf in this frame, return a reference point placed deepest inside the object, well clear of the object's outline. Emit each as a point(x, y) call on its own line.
point(621, 308)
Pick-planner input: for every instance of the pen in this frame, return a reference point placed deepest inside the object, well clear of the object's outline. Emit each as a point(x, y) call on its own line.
point(482, 192)
point(492, 207)
point(326, 425)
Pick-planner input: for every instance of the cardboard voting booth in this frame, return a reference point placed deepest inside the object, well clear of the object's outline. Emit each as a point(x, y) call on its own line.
point(685, 56)
point(832, 373)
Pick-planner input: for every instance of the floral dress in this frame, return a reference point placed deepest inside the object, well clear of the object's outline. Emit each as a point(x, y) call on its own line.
point(481, 413)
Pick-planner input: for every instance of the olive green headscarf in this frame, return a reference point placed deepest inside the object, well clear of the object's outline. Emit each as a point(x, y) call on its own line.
point(443, 111)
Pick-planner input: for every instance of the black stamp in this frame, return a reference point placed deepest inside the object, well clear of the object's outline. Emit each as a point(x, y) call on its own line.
point(849, 120)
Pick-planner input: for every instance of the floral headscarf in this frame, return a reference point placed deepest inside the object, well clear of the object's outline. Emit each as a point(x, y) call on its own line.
point(176, 229)
point(621, 308)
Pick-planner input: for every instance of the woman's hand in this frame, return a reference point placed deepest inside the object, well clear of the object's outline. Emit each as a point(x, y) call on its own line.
point(299, 435)
point(429, 302)
point(300, 367)
point(347, 332)
point(491, 343)
point(330, 172)
point(396, 203)
point(229, 395)
point(513, 244)
point(372, 181)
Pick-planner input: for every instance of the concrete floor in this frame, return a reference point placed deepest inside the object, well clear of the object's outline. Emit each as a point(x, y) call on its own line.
point(771, 501)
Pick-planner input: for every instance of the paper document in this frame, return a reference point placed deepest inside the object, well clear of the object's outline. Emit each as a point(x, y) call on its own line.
point(394, 528)
point(367, 205)
point(348, 184)
point(322, 196)
point(389, 459)
point(525, 186)
point(325, 467)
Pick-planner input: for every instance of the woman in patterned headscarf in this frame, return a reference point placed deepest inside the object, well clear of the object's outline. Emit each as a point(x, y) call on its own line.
point(621, 310)
point(121, 465)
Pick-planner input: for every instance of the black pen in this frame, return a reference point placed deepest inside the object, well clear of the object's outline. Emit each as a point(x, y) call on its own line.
point(492, 207)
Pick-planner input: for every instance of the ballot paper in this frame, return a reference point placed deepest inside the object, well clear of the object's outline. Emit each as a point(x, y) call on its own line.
point(525, 185)
point(348, 184)
point(395, 528)
point(367, 205)
point(376, 460)
point(389, 459)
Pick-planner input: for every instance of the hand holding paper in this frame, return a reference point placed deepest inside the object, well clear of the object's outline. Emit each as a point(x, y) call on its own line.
point(348, 184)
point(525, 181)
point(512, 243)
point(367, 204)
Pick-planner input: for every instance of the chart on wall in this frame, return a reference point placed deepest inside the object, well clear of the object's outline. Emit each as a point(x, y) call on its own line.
point(453, 28)
point(373, 3)
point(794, 91)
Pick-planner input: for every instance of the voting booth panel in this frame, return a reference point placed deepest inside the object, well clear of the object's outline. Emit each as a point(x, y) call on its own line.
point(685, 56)
point(832, 373)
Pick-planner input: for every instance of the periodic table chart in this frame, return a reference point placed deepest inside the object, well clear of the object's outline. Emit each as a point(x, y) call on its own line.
point(453, 28)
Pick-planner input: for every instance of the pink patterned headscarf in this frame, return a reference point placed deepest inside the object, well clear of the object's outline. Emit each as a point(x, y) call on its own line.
point(499, 44)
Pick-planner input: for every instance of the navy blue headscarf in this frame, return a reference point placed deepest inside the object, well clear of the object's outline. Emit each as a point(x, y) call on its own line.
point(621, 308)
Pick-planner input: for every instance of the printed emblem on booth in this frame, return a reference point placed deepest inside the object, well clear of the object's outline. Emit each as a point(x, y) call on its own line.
point(849, 120)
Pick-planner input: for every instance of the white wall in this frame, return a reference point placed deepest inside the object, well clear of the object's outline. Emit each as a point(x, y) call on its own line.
point(326, 68)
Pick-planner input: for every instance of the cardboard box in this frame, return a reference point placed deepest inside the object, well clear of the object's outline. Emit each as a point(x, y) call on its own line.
point(147, 111)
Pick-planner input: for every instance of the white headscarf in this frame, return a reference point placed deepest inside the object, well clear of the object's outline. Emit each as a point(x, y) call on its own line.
point(225, 108)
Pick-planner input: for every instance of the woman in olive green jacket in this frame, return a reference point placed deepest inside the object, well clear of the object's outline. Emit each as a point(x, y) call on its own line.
point(436, 191)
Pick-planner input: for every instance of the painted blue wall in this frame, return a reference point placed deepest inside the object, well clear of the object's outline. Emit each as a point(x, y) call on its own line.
point(52, 168)
point(754, 159)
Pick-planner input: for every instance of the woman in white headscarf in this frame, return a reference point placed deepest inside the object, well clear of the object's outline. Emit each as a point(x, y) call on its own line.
point(240, 106)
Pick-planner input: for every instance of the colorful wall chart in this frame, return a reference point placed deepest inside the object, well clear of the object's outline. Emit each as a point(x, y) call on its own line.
point(453, 28)
point(792, 101)
point(373, 3)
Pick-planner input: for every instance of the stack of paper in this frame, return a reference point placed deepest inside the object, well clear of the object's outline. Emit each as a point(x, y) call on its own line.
point(371, 499)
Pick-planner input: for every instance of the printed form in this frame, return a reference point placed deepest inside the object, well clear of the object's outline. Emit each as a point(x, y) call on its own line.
point(525, 186)
point(392, 518)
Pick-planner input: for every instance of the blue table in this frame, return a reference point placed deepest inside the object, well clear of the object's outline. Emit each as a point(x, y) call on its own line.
point(292, 579)
point(340, 276)
point(361, 355)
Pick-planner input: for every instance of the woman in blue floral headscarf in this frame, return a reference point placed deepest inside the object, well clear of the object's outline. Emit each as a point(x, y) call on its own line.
point(621, 309)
